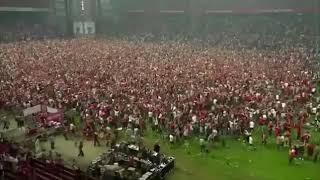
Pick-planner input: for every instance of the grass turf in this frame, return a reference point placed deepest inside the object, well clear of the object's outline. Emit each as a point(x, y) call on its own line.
point(236, 162)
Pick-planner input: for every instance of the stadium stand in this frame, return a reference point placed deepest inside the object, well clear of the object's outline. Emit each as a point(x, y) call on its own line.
point(25, 3)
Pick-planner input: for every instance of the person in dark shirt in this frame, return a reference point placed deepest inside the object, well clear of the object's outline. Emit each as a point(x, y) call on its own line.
point(96, 139)
point(65, 134)
point(52, 143)
point(80, 149)
point(156, 148)
point(1, 170)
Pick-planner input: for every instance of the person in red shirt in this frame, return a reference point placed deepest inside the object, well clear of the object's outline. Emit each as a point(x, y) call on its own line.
point(142, 126)
point(202, 114)
point(262, 121)
point(287, 141)
point(277, 130)
point(287, 126)
point(299, 130)
point(290, 118)
point(172, 126)
point(270, 127)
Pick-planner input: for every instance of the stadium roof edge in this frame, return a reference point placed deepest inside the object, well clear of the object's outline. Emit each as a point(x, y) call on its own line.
point(24, 9)
point(261, 11)
point(237, 11)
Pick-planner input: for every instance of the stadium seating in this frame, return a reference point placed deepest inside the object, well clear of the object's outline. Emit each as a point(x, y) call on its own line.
point(43, 171)
point(54, 171)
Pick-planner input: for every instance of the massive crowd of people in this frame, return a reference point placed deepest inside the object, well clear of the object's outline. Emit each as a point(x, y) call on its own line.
point(26, 32)
point(223, 84)
point(180, 88)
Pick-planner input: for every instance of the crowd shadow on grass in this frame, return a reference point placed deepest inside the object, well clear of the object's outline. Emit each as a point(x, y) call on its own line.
point(178, 169)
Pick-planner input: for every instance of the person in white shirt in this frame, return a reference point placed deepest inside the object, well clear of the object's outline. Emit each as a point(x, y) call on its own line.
point(212, 136)
point(250, 140)
point(150, 116)
point(136, 131)
point(171, 139)
point(136, 121)
point(251, 125)
point(247, 134)
point(116, 113)
point(318, 125)
point(37, 145)
point(202, 145)
point(231, 127)
point(185, 132)
point(251, 146)
point(214, 133)
point(72, 128)
point(194, 119)
point(201, 129)
point(280, 141)
point(155, 124)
